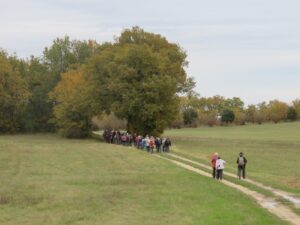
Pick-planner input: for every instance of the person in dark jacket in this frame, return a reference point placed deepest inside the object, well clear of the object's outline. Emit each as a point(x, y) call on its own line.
point(158, 144)
point(167, 144)
point(241, 162)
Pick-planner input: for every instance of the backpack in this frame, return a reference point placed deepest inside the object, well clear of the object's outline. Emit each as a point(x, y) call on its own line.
point(241, 161)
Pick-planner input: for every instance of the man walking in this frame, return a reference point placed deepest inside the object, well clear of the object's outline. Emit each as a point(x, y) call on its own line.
point(241, 161)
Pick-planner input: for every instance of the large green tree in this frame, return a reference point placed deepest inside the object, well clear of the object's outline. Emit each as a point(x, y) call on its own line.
point(138, 79)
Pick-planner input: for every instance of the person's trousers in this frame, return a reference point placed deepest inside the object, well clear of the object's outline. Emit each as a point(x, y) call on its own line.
point(219, 174)
point(214, 172)
point(241, 171)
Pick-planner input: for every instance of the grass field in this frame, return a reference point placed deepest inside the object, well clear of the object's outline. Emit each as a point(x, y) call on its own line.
point(272, 150)
point(49, 180)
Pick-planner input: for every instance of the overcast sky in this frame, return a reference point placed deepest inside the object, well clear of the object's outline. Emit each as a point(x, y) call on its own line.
point(244, 48)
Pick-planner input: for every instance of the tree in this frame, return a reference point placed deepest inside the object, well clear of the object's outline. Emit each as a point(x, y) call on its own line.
point(227, 116)
point(251, 112)
point(188, 88)
point(14, 95)
point(234, 104)
point(296, 105)
point(66, 54)
point(262, 113)
point(214, 104)
point(72, 111)
point(190, 116)
point(138, 79)
point(239, 117)
point(59, 56)
point(292, 114)
point(39, 109)
point(277, 111)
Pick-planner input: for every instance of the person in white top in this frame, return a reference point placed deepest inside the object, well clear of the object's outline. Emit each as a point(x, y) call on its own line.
point(220, 167)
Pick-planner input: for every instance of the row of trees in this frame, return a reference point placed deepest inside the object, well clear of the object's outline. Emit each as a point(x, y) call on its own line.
point(25, 84)
point(137, 78)
point(218, 110)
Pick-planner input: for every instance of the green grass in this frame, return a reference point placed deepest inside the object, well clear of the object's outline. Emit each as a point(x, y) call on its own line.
point(272, 150)
point(49, 180)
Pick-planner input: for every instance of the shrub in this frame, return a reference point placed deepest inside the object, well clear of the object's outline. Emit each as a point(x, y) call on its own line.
point(190, 117)
point(227, 116)
point(292, 114)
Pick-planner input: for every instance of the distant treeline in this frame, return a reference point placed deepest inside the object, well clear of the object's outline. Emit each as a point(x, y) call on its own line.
point(217, 110)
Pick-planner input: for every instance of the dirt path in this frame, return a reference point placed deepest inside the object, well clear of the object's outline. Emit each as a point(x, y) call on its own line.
point(270, 204)
point(287, 196)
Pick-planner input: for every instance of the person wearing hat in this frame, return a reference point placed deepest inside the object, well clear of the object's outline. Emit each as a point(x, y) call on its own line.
point(213, 161)
point(241, 162)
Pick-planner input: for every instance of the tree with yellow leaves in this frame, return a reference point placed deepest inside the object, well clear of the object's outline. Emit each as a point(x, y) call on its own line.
point(72, 110)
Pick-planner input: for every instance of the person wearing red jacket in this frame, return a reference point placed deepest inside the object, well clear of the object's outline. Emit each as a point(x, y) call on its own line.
point(213, 160)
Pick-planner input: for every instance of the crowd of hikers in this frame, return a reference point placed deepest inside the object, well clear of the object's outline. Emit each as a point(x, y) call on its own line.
point(146, 142)
point(218, 165)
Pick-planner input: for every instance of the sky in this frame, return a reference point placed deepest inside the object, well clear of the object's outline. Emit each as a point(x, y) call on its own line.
point(249, 49)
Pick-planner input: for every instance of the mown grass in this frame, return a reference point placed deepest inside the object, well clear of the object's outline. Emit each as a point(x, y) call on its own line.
point(272, 150)
point(49, 180)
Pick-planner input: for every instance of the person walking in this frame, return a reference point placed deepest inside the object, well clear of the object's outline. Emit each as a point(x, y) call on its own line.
point(152, 144)
point(147, 143)
point(158, 144)
point(167, 144)
point(213, 160)
point(220, 167)
point(241, 162)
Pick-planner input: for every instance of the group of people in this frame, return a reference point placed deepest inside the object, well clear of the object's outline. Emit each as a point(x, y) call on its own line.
point(146, 142)
point(218, 166)
point(151, 143)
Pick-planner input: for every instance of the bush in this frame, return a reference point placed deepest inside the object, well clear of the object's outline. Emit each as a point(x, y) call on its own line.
point(209, 119)
point(292, 114)
point(227, 116)
point(190, 117)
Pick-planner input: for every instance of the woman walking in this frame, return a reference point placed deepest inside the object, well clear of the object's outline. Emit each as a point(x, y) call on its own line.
point(220, 167)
